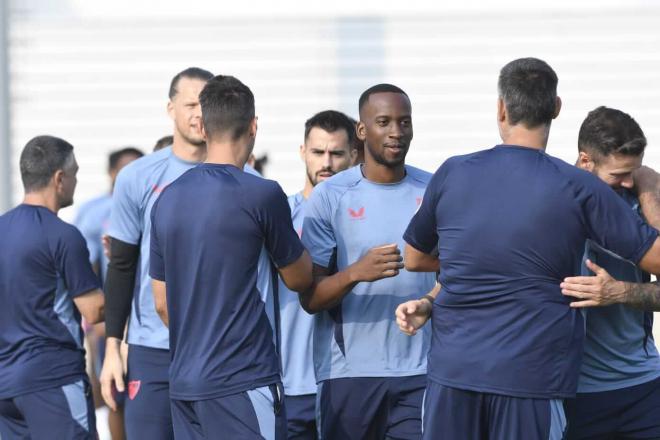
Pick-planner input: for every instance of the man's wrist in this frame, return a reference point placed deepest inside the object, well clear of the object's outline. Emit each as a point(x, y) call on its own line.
point(112, 344)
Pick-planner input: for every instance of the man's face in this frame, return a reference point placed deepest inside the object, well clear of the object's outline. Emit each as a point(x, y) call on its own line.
point(185, 111)
point(67, 184)
point(616, 169)
point(124, 160)
point(386, 128)
point(325, 154)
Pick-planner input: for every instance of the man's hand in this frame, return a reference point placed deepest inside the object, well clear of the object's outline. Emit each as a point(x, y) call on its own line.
point(105, 240)
point(594, 291)
point(646, 180)
point(412, 315)
point(378, 263)
point(112, 373)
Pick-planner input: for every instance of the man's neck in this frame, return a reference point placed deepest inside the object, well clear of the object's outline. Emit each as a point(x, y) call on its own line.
point(378, 173)
point(536, 138)
point(227, 153)
point(46, 199)
point(187, 151)
point(307, 190)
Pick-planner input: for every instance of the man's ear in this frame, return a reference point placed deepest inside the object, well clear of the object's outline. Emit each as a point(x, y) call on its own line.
point(501, 110)
point(170, 109)
point(557, 107)
point(202, 130)
point(361, 131)
point(585, 161)
point(353, 153)
point(254, 127)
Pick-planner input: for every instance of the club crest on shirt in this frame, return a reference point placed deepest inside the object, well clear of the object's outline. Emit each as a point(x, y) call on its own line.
point(133, 388)
point(356, 215)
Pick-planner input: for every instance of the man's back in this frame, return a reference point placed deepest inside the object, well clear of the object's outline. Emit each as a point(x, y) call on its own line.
point(510, 223)
point(43, 265)
point(209, 228)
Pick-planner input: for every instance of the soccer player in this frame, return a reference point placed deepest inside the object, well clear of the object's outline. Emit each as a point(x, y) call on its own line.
point(46, 284)
point(371, 377)
point(128, 286)
point(327, 150)
point(619, 386)
point(209, 228)
point(509, 224)
point(92, 220)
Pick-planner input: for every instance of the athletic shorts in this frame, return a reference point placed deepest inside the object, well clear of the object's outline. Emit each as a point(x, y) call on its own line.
point(147, 413)
point(370, 408)
point(301, 417)
point(254, 414)
point(454, 414)
point(627, 413)
point(65, 412)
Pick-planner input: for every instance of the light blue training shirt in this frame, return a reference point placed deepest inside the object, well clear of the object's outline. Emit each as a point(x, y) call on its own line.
point(619, 350)
point(346, 216)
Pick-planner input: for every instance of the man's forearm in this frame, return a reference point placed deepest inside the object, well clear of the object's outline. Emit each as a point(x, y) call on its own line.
point(327, 291)
point(643, 296)
point(119, 286)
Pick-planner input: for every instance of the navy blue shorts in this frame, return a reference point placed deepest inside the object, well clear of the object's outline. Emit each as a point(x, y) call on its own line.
point(147, 413)
point(253, 414)
point(370, 408)
point(65, 412)
point(454, 414)
point(301, 417)
point(628, 413)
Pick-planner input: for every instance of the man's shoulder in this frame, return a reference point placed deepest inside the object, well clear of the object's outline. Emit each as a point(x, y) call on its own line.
point(140, 170)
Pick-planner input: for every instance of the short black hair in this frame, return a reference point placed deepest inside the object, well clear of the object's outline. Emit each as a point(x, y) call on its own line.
point(378, 88)
point(190, 73)
point(41, 157)
point(331, 121)
point(227, 106)
point(606, 131)
point(115, 156)
point(528, 87)
point(163, 142)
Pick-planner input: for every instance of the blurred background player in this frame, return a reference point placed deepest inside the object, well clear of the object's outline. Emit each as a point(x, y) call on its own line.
point(46, 284)
point(510, 223)
point(371, 377)
point(128, 285)
point(225, 373)
point(619, 386)
point(92, 220)
point(327, 150)
point(163, 142)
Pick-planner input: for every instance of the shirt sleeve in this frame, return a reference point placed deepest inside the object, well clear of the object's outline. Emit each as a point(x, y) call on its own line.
point(73, 264)
point(156, 261)
point(318, 235)
point(612, 224)
point(125, 213)
point(91, 232)
point(281, 239)
point(422, 231)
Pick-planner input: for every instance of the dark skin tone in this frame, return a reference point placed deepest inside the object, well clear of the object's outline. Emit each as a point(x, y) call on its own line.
point(386, 128)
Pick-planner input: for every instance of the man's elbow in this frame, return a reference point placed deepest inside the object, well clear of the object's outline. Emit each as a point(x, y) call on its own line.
point(307, 304)
point(413, 265)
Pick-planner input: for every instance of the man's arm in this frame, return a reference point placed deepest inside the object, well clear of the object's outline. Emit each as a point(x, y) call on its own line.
point(418, 261)
point(159, 289)
point(412, 315)
point(119, 285)
point(328, 290)
point(297, 276)
point(603, 290)
point(647, 185)
point(91, 305)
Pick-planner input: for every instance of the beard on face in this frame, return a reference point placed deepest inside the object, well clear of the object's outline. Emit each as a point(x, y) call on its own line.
point(314, 179)
point(380, 159)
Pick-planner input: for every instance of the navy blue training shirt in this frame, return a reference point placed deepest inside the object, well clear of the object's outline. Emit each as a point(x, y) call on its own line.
point(44, 264)
point(208, 230)
point(510, 223)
